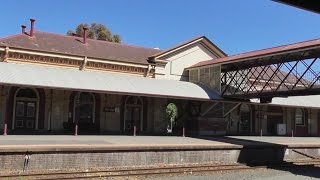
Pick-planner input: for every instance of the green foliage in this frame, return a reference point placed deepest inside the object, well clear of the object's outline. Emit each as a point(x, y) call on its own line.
point(96, 31)
point(172, 111)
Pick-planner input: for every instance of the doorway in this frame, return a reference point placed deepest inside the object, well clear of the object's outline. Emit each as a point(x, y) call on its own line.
point(26, 108)
point(245, 119)
point(84, 110)
point(133, 114)
point(274, 117)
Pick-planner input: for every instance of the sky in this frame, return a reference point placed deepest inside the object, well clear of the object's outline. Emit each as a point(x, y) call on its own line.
point(233, 25)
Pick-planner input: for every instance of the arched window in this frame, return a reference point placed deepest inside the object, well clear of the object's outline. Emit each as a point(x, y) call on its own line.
point(26, 93)
point(299, 116)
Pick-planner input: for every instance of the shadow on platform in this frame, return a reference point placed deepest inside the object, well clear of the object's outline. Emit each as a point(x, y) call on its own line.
point(257, 153)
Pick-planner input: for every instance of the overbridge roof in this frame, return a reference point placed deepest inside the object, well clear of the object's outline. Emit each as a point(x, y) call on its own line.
point(304, 49)
point(308, 5)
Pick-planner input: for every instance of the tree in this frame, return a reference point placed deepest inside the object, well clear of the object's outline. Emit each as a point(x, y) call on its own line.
point(172, 112)
point(95, 31)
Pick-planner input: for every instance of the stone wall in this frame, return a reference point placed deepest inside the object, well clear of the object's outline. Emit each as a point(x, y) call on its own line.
point(99, 160)
point(159, 115)
point(66, 161)
point(150, 114)
point(59, 111)
point(110, 121)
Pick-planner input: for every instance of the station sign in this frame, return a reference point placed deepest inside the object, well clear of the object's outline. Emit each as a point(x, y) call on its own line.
point(111, 109)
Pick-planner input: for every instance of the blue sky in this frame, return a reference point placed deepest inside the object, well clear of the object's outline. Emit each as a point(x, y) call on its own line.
point(235, 26)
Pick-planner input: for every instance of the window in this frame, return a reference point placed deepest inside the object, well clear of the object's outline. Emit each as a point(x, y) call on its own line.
point(204, 76)
point(29, 93)
point(215, 79)
point(299, 116)
point(193, 75)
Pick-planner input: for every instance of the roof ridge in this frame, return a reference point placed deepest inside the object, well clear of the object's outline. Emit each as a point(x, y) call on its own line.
point(178, 45)
point(118, 44)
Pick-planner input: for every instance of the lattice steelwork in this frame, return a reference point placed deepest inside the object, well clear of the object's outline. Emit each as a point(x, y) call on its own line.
point(276, 76)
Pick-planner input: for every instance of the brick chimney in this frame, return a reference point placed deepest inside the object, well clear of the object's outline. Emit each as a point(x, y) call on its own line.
point(32, 27)
point(85, 29)
point(23, 29)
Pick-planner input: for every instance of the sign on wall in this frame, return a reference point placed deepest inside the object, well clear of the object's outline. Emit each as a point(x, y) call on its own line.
point(111, 109)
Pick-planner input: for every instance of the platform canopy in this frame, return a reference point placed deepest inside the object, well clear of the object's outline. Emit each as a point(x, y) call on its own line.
point(102, 82)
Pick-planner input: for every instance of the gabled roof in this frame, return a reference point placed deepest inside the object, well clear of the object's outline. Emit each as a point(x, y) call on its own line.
point(204, 39)
point(261, 53)
point(71, 45)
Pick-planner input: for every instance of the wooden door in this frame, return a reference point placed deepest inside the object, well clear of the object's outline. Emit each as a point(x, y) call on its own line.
point(133, 118)
point(25, 115)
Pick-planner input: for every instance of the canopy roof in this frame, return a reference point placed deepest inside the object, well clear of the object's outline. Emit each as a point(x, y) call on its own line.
point(93, 81)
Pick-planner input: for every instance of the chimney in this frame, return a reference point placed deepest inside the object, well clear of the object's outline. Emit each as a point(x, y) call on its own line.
point(23, 29)
point(85, 29)
point(32, 27)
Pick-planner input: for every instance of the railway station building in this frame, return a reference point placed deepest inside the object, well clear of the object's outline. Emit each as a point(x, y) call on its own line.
point(58, 84)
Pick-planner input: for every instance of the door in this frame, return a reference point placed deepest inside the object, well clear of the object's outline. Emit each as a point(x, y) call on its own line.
point(272, 122)
point(86, 114)
point(25, 115)
point(245, 123)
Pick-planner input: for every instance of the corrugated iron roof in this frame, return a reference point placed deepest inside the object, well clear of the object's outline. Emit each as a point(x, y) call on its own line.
point(93, 81)
point(71, 45)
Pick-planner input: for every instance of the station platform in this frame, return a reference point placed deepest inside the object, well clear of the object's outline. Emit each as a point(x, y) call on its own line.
point(70, 153)
point(16, 143)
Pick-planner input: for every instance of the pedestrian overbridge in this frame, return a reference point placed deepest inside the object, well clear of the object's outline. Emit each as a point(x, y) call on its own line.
point(289, 70)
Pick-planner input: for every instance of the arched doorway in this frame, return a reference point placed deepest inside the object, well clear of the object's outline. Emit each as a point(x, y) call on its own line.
point(133, 114)
point(26, 109)
point(84, 109)
point(245, 119)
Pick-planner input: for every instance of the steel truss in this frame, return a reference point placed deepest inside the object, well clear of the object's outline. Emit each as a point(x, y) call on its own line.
point(283, 75)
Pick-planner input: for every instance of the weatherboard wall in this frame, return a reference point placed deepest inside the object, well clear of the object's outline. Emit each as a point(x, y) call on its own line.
point(175, 68)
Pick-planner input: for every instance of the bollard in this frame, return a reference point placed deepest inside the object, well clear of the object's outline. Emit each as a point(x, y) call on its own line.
point(5, 129)
point(76, 130)
point(261, 132)
point(134, 130)
point(291, 132)
point(183, 131)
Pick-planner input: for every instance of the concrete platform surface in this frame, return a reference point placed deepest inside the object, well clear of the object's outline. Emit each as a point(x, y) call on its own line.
point(92, 142)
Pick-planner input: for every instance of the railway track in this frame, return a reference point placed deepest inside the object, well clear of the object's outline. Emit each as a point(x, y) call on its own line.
point(152, 171)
